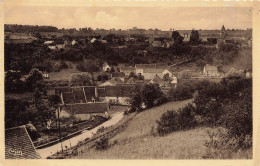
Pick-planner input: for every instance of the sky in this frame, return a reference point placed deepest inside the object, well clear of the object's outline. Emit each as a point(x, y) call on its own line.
point(163, 18)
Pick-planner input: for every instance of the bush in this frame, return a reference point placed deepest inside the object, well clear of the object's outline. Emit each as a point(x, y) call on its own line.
point(176, 120)
point(180, 93)
point(102, 143)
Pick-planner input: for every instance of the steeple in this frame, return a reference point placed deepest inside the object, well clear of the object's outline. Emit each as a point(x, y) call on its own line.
point(223, 28)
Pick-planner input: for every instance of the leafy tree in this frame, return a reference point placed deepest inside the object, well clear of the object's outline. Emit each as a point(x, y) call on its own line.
point(150, 93)
point(166, 77)
point(178, 39)
point(81, 79)
point(194, 37)
point(32, 78)
point(136, 100)
point(13, 82)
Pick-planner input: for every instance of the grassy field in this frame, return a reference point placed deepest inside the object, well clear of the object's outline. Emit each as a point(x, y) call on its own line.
point(137, 142)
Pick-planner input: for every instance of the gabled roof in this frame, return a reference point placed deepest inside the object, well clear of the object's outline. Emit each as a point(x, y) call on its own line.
point(211, 68)
point(68, 97)
point(79, 94)
point(90, 92)
point(118, 74)
point(87, 108)
point(115, 91)
point(105, 64)
point(157, 79)
point(18, 144)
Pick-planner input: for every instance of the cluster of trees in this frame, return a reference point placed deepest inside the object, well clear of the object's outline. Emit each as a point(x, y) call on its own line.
point(146, 96)
point(37, 110)
point(227, 104)
point(28, 28)
point(14, 83)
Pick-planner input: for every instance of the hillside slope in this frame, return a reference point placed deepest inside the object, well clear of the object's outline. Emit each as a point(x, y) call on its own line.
point(137, 142)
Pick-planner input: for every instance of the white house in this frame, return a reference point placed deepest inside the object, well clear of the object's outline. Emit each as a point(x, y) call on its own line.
point(48, 42)
point(73, 42)
point(93, 40)
point(210, 71)
point(106, 67)
point(120, 94)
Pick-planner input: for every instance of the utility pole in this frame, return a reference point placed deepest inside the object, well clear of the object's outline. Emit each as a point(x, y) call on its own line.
point(59, 127)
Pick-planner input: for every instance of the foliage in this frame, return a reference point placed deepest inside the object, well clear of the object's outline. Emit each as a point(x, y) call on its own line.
point(178, 39)
point(194, 37)
point(81, 79)
point(88, 67)
point(179, 93)
point(136, 100)
point(102, 77)
point(151, 93)
point(32, 78)
point(176, 120)
point(102, 143)
point(13, 82)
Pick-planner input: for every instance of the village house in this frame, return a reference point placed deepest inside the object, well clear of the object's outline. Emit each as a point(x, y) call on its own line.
point(93, 40)
point(83, 111)
point(120, 94)
point(45, 75)
point(18, 144)
point(48, 42)
point(157, 80)
point(106, 67)
point(210, 71)
point(73, 42)
point(157, 43)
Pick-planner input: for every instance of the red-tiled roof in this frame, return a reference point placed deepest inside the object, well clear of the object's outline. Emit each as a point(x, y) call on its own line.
point(18, 144)
point(115, 91)
point(68, 97)
point(157, 79)
point(90, 92)
point(87, 108)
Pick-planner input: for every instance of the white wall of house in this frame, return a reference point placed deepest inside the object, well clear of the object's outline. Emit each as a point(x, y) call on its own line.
point(106, 68)
point(116, 100)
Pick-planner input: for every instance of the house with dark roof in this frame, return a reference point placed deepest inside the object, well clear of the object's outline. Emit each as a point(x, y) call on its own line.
point(120, 94)
point(210, 71)
point(18, 144)
point(84, 111)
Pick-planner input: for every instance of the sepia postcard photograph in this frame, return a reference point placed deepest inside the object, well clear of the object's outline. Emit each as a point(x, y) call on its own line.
point(128, 82)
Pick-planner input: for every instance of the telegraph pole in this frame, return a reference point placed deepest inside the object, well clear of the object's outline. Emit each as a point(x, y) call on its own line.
point(59, 128)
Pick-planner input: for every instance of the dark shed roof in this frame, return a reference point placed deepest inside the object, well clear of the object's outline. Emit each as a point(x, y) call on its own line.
point(18, 144)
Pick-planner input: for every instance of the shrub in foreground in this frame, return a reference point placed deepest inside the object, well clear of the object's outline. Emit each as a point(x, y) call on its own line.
point(176, 120)
point(102, 143)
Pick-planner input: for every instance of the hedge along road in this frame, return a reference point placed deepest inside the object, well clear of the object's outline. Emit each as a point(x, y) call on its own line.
point(48, 151)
